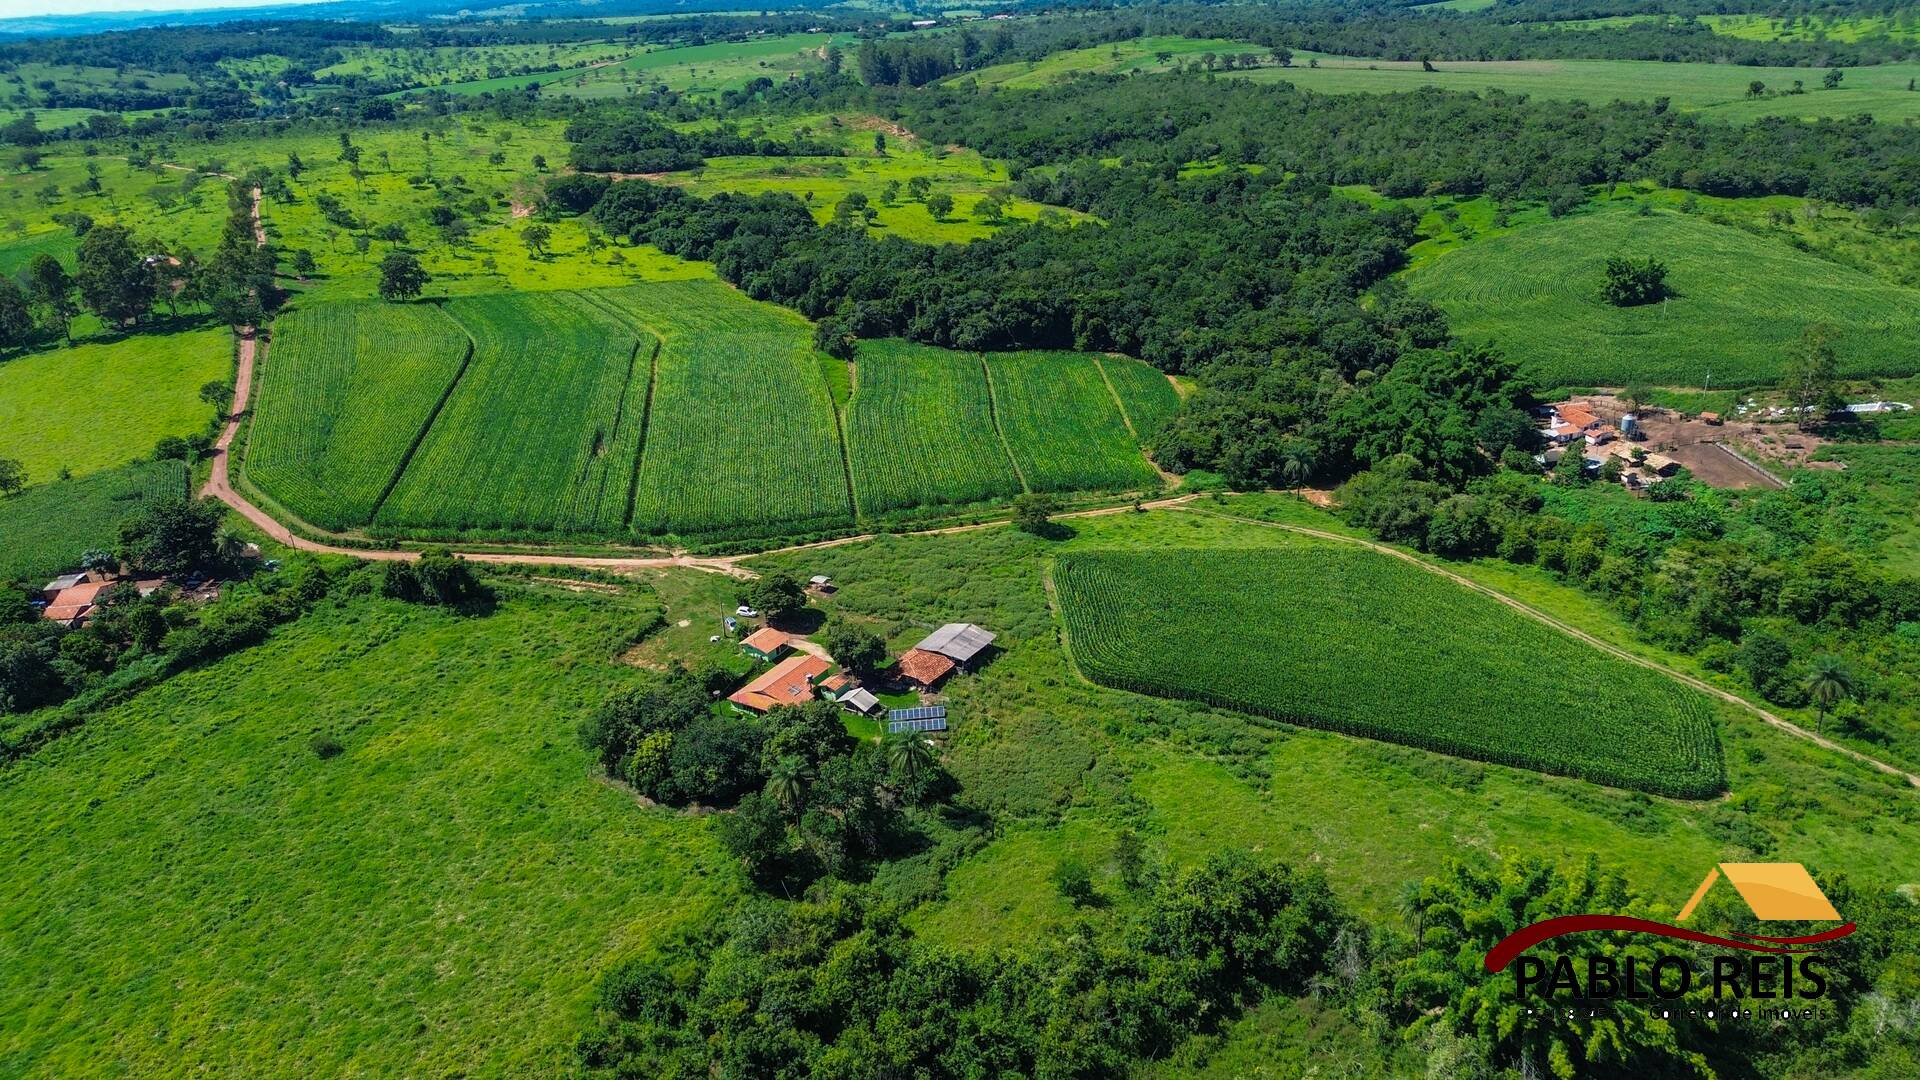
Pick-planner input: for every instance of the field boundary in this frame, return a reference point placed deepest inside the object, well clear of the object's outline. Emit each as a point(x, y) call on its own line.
point(426, 425)
point(1114, 392)
point(646, 418)
point(1570, 630)
point(993, 413)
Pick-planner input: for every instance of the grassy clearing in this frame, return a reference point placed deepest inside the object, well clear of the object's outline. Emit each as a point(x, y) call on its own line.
point(823, 182)
point(1385, 651)
point(346, 393)
point(1062, 424)
point(703, 70)
point(741, 432)
point(1904, 26)
point(541, 432)
point(49, 526)
point(1719, 90)
point(1141, 55)
point(448, 64)
point(97, 404)
point(195, 890)
point(1741, 303)
point(920, 430)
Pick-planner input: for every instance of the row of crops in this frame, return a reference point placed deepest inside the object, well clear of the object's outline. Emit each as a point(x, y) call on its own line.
point(1357, 642)
point(351, 389)
point(673, 408)
point(538, 433)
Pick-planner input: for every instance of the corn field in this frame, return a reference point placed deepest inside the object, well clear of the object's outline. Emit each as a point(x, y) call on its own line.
point(1357, 642)
point(920, 430)
point(1062, 424)
point(345, 392)
point(541, 432)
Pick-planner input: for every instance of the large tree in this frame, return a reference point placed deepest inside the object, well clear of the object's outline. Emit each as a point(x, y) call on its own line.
point(402, 277)
point(1813, 374)
point(16, 318)
point(113, 277)
point(50, 289)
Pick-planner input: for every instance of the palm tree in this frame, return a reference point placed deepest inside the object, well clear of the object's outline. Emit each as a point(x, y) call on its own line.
point(909, 753)
point(1829, 684)
point(1412, 906)
point(787, 784)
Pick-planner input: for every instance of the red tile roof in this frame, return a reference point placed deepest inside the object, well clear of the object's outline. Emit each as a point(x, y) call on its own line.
point(766, 639)
point(836, 681)
point(66, 613)
point(789, 683)
point(1578, 416)
point(81, 594)
point(925, 668)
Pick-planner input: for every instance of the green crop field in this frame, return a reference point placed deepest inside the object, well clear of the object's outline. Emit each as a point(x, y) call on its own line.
point(920, 430)
point(541, 431)
point(97, 404)
point(191, 888)
point(48, 527)
point(1062, 424)
point(1364, 644)
point(1741, 302)
point(741, 434)
point(1145, 393)
point(346, 393)
point(668, 408)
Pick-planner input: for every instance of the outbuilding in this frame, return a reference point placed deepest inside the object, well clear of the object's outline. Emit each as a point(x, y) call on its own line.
point(766, 644)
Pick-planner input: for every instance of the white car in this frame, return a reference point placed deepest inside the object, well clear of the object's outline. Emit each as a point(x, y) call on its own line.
point(746, 612)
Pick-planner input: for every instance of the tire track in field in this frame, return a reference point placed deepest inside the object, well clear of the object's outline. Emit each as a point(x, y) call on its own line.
point(1570, 630)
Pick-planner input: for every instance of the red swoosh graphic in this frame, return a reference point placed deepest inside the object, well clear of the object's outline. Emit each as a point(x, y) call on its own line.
point(1527, 937)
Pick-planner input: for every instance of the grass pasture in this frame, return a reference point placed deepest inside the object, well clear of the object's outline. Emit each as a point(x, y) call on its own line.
point(1361, 643)
point(1063, 425)
point(542, 430)
point(741, 433)
point(346, 394)
point(48, 527)
point(1718, 90)
point(194, 890)
point(1141, 55)
point(98, 404)
point(1740, 304)
point(920, 430)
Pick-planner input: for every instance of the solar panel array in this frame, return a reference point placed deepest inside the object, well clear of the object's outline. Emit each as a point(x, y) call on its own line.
point(923, 718)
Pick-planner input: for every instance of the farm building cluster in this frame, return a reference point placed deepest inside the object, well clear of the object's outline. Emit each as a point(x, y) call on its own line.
point(803, 672)
point(1575, 427)
point(76, 599)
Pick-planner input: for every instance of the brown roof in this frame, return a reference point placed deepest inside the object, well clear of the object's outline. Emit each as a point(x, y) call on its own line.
point(66, 613)
point(81, 594)
point(790, 682)
point(836, 681)
point(925, 668)
point(1578, 415)
point(766, 639)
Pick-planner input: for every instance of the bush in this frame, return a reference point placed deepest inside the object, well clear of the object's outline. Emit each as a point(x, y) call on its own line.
point(325, 747)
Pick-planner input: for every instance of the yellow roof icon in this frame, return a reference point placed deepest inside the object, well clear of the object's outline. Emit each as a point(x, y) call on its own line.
point(1775, 891)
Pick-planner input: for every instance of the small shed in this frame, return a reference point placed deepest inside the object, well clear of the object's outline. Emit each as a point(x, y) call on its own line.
point(861, 701)
point(766, 644)
point(1711, 418)
point(821, 585)
point(1661, 464)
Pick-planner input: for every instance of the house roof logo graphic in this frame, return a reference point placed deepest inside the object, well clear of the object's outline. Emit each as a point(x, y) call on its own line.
point(1773, 891)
